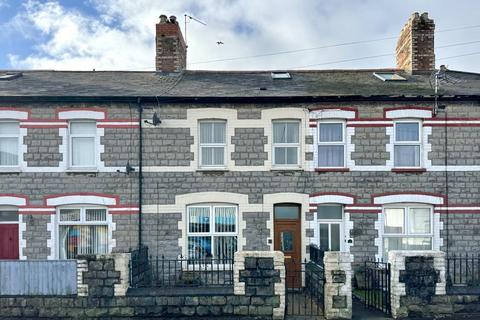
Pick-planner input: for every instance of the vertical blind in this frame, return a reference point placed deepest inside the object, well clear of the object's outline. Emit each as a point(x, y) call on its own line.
point(9, 136)
point(82, 231)
point(212, 232)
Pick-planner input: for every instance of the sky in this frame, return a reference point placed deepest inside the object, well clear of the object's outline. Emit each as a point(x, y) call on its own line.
point(256, 34)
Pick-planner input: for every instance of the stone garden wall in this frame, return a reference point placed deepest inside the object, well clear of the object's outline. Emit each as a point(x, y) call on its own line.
point(258, 293)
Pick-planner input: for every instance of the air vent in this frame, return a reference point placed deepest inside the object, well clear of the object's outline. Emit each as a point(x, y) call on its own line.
point(389, 76)
point(5, 76)
point(281, 75)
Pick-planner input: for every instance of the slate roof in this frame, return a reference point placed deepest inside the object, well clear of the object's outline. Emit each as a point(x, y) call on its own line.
point(315, 83)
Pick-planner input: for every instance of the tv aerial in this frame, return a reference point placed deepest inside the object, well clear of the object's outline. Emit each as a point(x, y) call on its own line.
point(187, 16)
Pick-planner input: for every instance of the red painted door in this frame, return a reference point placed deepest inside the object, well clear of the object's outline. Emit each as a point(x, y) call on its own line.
point(9, 241)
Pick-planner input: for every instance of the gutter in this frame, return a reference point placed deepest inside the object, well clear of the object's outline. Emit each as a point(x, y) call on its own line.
point(230, 99)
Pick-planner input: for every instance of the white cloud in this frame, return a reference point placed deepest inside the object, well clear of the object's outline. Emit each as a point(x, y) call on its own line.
point(122, 35)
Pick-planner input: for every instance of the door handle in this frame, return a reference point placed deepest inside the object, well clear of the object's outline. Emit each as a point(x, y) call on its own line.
point(288, 257)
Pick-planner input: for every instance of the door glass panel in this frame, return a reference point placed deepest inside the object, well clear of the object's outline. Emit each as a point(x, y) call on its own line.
point(286, 241)
point(8, 216)
point(286, 212)
point(335, 237)
point(324, 236)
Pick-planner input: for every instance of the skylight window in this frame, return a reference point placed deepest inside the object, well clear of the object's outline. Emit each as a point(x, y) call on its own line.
point(4, 76)
point(389, 76)
point(281, 75)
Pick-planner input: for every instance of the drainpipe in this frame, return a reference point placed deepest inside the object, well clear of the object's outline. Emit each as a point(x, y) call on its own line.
point(140, 174)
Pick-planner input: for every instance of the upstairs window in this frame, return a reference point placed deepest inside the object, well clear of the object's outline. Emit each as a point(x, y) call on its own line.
point(407, 228)
point(407, 148)
point(286, 143)
point(212, 231)
point(82, 231)
point(9, 141)
point(331, 144)
point(83, 144)
point(212, 143)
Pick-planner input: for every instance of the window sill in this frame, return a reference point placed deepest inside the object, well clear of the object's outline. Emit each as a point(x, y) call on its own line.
point(212, 170)
point(10, 170)
point(286, 169)
point(332, 169)
point(82, 170)
point(409, 170)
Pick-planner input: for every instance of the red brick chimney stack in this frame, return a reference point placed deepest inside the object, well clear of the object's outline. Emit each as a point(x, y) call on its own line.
point(171, 50)
point(415, 46)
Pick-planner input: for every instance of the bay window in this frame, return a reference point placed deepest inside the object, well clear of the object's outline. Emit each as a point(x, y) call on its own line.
point(212, 231)
point(83, 136)
point(82, 230)
point(407, 228)
point(331, 144)
point(9, 141)
point(212, 143)
point(286, 143)
point(407, 146)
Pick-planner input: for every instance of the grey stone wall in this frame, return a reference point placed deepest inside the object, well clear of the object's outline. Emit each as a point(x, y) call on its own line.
point(167, 147)
point(161, 234)
point(36, 236)
point(363, 234)
point(126, 232)
point(42, 147)
point(249, 147)
point(256, 232)
point(120, 147)
point(461, 232)
point(370, 146)
point(463, 148)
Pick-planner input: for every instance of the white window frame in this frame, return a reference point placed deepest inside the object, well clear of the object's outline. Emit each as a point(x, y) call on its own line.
point(406, 234)
point(201, 145)
point(70, 143)
point(19, 144)
point(330, 222)
point(83, 222)
point(212, 232)
point(290, 144)
point(342, 143)
point(408, 143)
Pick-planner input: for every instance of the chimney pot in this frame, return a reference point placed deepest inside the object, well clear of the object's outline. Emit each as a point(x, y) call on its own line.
point(163, 18)
point(173, 19)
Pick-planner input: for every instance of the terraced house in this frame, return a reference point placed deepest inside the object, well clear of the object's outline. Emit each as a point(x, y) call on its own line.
point(201, 164)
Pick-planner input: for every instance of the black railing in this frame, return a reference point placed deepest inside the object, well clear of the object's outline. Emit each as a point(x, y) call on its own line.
point(316, 254)
point(304, 283)
point(377, 285)
point(463, 271)
point(185, 272)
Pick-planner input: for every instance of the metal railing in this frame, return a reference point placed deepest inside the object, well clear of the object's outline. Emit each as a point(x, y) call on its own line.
point(463, 270)
point(316, 254)
point(181, 272)
point(377, 285)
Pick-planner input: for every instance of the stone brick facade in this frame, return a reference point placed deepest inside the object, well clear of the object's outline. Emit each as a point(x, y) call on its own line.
point(249, 147)
point(43, 147)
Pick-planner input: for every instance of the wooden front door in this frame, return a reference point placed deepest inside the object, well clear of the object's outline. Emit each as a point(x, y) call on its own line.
point(287, 238)
point(9, 241)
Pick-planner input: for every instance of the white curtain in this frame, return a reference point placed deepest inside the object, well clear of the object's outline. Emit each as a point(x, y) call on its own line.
point(419, 220)
point(331, 132)
point(394, 221)
point(83, 151)
point(407, 131)
point(407, 156)
point(8, 151)
point(331, 156)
